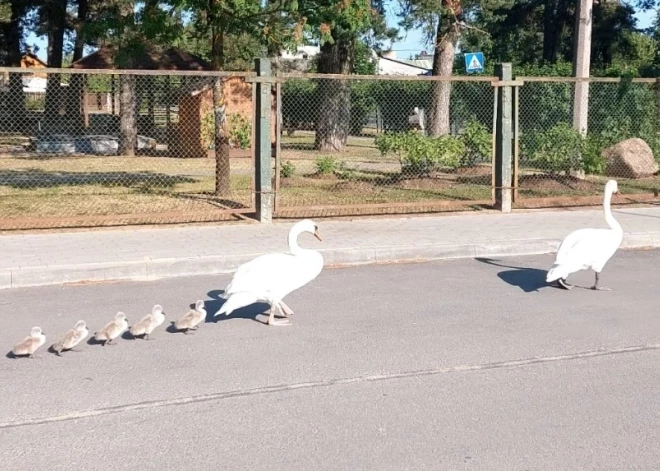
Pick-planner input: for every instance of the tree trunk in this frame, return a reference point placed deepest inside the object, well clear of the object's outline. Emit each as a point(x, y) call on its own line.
point(221, 138)
point(127, 118)
point(555, 18)
point(56, 17)
point(76, 90)
point(443, 65)
point(16, 101)
point(334, 114)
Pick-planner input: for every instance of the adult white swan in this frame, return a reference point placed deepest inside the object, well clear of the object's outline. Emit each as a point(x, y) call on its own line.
point(269, 278)
point(588, 248)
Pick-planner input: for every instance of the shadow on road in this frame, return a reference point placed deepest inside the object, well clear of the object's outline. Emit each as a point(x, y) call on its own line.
point(527, 279)
point(213, 305)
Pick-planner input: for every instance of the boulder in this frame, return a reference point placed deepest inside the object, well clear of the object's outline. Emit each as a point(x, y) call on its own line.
point(632, 158)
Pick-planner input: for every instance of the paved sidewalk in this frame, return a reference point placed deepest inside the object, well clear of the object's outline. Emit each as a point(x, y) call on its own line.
point(148, 253)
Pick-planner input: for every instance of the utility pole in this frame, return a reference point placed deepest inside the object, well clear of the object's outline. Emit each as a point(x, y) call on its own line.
point(581, 63)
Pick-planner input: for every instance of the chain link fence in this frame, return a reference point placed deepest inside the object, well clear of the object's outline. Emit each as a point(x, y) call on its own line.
point(89, 149)
point(557, 165)
point(368, 145)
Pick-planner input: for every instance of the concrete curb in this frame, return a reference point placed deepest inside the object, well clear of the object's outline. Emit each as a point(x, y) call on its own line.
point(152, 269)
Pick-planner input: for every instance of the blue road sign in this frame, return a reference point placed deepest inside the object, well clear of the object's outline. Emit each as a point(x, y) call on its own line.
point(474, 62)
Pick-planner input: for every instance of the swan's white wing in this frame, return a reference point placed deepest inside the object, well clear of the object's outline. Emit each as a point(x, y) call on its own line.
point(587, 247)
point(584, 249)
point(275, 274)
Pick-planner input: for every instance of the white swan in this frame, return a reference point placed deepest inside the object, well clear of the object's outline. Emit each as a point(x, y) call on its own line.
point(588, 248)
point(270, 277)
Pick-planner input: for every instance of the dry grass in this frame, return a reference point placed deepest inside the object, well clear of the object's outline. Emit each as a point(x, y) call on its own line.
point(75, 186)
point(161, 189)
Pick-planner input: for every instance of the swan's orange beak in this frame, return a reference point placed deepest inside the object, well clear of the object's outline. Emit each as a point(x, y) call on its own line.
point(316, 234)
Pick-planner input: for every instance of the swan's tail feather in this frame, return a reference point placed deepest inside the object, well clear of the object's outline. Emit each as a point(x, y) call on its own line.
point(556, 272)
point(237, 301)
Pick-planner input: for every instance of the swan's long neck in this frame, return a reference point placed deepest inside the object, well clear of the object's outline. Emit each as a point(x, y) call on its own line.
point(294, 248)
point(613, 223)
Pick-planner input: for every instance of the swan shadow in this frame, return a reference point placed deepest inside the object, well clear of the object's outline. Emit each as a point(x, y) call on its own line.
point(527, 279)
point(11, 355)
point(126, 335)
point(92, 341)
point(213, 305)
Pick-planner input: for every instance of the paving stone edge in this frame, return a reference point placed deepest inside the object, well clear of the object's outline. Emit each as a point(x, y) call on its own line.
point(152, 269)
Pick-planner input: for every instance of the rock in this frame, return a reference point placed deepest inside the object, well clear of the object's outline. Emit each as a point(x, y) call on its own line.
point(632, 158)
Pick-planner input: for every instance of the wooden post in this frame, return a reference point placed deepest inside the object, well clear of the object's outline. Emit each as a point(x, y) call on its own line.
point(503, 138)
point(581, 62)
point(278, 143)
point(263, 174)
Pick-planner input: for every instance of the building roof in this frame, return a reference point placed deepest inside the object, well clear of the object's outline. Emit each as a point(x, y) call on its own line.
point(391, 66)
point(29, 60)
point(150, 59)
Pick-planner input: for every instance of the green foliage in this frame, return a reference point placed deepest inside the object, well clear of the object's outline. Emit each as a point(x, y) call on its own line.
point(363, 62)
point(478, 141)
point(240, 131)
point(559, 149)
point(593, 162)
point(287, 169)
point(239, 128)
point(346, 173)
point(420, 155)
point(207, 126)
point(362, 103)
point(299, 104)
point(326, 165)
point(397, 99)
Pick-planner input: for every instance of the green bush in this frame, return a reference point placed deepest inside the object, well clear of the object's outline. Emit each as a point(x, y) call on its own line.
point(418, 154)
point(478, 141)
point(299, 104)
point(362, 103)
point(346, 173)
point(559, 149)
point(593, 161)
point(239, 128)
point(240, 131)
point(326, 165)
point(287, 169)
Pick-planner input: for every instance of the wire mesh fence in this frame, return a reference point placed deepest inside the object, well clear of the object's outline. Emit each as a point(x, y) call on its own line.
point(356, 145)
point(558, 165)
point(85, 149)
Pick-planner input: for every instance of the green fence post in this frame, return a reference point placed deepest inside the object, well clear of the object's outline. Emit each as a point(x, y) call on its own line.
point(503, 140)
point(262, 144)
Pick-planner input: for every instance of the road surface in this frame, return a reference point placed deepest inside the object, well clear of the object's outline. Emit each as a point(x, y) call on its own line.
point(472, 364)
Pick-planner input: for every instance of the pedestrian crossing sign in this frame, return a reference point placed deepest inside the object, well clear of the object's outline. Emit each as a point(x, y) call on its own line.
point(474, 62)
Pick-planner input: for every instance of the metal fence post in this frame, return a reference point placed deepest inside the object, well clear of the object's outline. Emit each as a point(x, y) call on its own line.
point(262, 167)
point(503, 138)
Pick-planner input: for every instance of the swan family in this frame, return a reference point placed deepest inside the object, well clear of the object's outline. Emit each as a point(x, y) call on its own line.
point(270, 278)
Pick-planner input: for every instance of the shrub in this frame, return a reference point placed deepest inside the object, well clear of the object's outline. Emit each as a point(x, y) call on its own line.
point(593, 161)
point(240, 131)
point(478, 143)
point(326, 165)
point(346, 173)
point(287, 169)
point(559, 149)
point(299, 105)
point(419, 154)
point(362, 103)
point(239, 128)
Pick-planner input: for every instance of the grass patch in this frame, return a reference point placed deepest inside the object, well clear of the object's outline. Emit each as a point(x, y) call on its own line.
point(75, 186)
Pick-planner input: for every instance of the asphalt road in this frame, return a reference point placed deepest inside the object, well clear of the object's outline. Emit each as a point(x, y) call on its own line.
point(450, 365)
